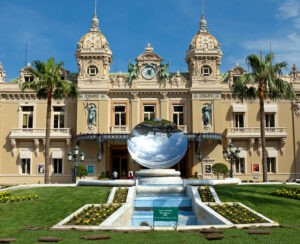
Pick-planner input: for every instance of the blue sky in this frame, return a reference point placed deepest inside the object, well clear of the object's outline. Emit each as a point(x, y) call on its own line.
point(53, 28)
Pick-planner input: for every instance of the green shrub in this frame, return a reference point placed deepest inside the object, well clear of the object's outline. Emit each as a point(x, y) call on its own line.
point(220, 169)
point(81, 171)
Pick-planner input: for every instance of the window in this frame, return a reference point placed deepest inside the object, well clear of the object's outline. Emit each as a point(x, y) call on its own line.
point(271, 164)
point(206, 70)
point(149, 112)
point(255, 167)
point(90, 169)
point(120, 115)
point(28, 78)
point(270, 120)
point(178, 114)
point(40, 168)
point(58, 117)
point(92, 70)
point(208, 169)
point(57, 166)
point(26, 166)
point(236, 78)
point(240, 165)
point(27, 117)
point(239, 120)
point(62, 77)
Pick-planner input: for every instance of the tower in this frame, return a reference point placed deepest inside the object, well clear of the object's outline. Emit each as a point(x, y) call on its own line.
point(94, 58)
point(204, 57)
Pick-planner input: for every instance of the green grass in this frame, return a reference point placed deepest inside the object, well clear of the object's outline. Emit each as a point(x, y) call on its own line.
point(54, 204)
point(285, 211)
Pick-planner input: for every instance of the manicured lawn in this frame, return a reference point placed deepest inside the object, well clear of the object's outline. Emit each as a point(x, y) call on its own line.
point(54, 204)
point(285, 211)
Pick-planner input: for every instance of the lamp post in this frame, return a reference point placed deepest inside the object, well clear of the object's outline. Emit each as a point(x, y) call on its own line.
point(231, 155)
point(75, 158)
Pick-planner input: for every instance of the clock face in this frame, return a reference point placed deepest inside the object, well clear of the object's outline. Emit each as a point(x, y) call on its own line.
point(149, 71)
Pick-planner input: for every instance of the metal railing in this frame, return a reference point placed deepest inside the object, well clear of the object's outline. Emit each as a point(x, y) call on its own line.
point(255, 131)
point(119, 129)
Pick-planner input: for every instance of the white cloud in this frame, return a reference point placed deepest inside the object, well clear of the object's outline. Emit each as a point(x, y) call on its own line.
point(289, 9)
point(285, 46)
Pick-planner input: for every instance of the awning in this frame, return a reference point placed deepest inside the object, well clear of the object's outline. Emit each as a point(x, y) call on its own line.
point(271, 108)
point(57, 153)
point(242, 154)
point(25, 154)
point(271, 153)
point(239, 108)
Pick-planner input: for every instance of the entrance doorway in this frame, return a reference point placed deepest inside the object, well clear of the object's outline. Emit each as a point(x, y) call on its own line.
point(119, 162)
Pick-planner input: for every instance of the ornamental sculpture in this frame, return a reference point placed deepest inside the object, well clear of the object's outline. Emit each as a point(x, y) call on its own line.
point(206, 112)
point(92, 112)
point(2, 73)
point(132, 71)
point(164, 74)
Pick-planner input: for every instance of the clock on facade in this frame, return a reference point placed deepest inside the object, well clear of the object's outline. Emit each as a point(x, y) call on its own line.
point(149, 71)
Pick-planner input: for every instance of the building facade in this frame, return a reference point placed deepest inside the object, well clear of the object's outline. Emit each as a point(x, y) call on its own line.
point(110, 105)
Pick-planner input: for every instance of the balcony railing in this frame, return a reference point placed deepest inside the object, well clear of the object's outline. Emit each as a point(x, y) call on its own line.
point(182, 128)
point(255, 132)
point(40, 133)
point(119, 129)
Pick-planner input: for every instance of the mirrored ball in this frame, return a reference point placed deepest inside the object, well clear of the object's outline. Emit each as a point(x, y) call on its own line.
point(157, 144)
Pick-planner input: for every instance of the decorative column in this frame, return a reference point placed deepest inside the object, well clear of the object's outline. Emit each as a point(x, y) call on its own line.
point(69, 144)
point(13, 144)
point(282, 144)
point(36, 145)
point(251, 143)
point(259, 149)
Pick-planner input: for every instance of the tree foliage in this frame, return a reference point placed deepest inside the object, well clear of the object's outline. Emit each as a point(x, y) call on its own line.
point(220, 169)
point(263, 82)
point(81, 171)
point(49, 85)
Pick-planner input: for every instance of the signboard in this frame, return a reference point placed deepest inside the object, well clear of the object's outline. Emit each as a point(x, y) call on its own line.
point(165, 214)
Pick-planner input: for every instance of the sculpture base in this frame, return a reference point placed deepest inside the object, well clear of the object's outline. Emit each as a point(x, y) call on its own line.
point(158, 177)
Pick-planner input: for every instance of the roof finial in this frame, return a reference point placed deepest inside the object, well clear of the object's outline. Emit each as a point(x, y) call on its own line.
point(203, 23)
point(95, 20)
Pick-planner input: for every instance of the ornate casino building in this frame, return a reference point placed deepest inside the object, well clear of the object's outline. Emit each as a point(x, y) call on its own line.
point(110, 105)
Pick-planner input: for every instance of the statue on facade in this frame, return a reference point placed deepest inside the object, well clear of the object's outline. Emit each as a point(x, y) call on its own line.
point(132, 71)
point(206, 112)
point(92, 112)
point(295, 74)
point(164, 74)
point(2, 73)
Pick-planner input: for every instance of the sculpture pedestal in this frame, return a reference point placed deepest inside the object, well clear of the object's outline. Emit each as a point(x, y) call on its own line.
point(158, 177)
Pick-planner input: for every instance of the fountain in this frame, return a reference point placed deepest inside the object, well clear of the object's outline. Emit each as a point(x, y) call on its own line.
point(159, 144)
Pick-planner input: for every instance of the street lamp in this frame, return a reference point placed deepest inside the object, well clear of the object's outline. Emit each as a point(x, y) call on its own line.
point(76, 158)
point(231, 155)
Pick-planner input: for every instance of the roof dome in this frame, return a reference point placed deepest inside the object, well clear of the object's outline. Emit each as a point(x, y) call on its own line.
point(94, 39)
point(204, 41)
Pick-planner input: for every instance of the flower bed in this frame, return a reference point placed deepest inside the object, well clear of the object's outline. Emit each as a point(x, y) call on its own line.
point(120, 195)
point(205, 194)
point(6, 197)
point(237, 214)
point(291, 193)
point(93, 215)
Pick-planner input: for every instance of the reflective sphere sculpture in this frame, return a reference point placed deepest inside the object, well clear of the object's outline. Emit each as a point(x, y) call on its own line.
point(157, 144)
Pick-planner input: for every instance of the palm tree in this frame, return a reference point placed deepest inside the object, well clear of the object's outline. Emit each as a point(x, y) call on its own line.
point(49, 85)
point(263, 82)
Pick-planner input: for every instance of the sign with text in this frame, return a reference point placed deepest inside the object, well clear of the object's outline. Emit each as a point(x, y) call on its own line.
point(165, 214)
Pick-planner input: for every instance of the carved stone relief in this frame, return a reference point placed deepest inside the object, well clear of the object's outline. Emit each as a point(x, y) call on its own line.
point(119, 81)
point(178, 80)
